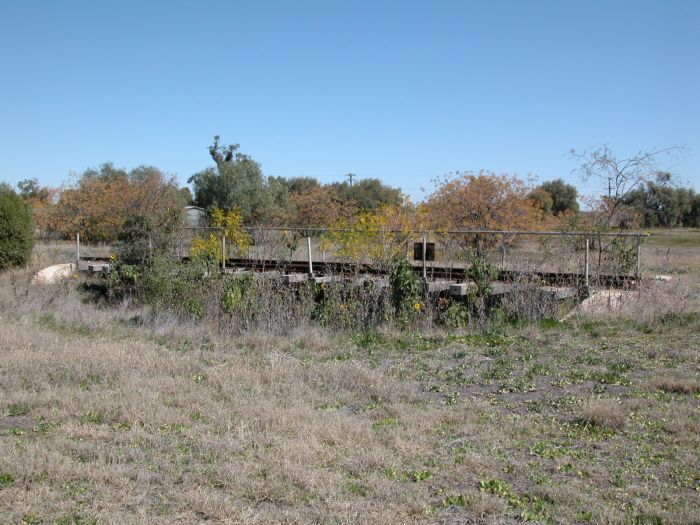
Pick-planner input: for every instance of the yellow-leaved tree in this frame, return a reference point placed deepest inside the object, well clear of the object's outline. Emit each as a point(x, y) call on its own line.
point(231, 224)
point(210, 248)
point(374, 237)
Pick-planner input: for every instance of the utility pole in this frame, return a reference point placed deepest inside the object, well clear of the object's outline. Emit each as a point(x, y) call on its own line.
point(351, 177)
point(609, 187)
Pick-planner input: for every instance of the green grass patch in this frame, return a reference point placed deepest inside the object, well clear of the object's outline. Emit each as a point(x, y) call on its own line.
point(6, 479)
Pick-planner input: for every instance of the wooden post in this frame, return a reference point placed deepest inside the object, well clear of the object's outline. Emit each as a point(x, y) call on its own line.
point(425, 246)
point(585, 263)
point(77, 252)
point(223, 251)
point(308, 249)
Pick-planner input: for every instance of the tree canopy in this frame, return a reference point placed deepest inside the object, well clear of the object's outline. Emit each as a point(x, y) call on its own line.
point(368, 194)
point(663, 205)
point(483, 201)
point(16, 229)
point(564, 196)
point(235, 182)
point(102, 199)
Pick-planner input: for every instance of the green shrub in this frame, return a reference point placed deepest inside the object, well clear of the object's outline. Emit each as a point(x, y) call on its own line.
point(482, 273)
point(16, 229)
point(457, 315)
point(238, 294)
point(406, 291)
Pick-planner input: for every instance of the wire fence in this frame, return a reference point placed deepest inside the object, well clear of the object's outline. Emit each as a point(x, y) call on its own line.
point(592, 256)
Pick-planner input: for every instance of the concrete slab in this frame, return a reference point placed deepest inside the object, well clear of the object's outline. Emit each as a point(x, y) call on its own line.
point(560, 292)
point(440, 286)
point(663, 278)
point(328, 279)
point(295, 278)
point(601, 302)
point(502, 288)
point(461, 289)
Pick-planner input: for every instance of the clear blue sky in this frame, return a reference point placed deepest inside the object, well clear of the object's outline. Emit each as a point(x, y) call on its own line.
point(403, 91)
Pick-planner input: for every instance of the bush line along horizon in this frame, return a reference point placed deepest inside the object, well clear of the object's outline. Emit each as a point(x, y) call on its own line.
point(99, 201)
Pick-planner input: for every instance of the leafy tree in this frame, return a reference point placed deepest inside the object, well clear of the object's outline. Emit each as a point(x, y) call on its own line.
point(563, 196)
point(377, 237)
point(686, 197)
point(279, 206)
point(231, 223)
point(662, 204)
point(483, 202)
point(16, 229)
point(186, 196)
point(40, 199)
point(30, 189)
point(320, 206)
point(143, 237)
point(100, 202)
point(368, 194)
point(693, 218)
point(237, 182)
point(302, 185)
point(543, 200)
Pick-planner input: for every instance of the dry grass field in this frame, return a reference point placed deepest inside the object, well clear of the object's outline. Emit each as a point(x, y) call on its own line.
point(119, 415)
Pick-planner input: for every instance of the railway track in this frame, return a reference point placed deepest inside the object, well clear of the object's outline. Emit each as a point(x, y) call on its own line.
point(432, 272)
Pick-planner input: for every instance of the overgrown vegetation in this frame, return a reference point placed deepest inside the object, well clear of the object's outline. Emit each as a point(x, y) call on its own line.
point(129, 412)
point(240, 302)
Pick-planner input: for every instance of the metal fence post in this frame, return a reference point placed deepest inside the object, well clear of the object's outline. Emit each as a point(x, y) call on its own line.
point(223, 251)
point(308, 249)
point(585, 263)
point(638, 266)
point(77, 252)
point(503, 253)
point(425, 245)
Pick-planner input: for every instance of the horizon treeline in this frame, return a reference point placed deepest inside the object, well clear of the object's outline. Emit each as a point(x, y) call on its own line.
point(101, 200)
